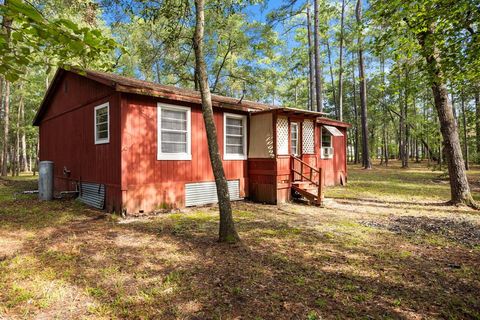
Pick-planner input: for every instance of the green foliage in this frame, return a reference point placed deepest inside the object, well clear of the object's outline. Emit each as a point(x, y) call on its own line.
point(32, 39)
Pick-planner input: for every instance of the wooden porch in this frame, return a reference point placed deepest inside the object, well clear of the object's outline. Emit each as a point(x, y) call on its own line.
point(307, 181)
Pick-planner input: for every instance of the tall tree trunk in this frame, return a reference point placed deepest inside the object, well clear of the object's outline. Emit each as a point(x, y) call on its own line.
point(16, 151)
point(355, 113)
point(6, 32)
point(415, 129)
point(465, 133)
point(459, 187)
point(332, 79)
point(37, 152)
point(477, 121)
point(340, 70)
point(311, 61)
point(406, 144)
point(401, 123)
point(6, 129)
point(23, 137)
point(385, 112)
point(227, 232)
point(363, 92)
point(2, 82)
point(318, 65)
point(385, 139)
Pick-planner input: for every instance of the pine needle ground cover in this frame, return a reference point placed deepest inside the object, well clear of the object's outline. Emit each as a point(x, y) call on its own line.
point(384, 247)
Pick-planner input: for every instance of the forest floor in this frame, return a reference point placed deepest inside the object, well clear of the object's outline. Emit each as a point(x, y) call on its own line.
point(384, 247)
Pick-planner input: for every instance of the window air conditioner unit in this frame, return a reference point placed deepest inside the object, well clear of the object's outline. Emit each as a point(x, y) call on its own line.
point(327, 152)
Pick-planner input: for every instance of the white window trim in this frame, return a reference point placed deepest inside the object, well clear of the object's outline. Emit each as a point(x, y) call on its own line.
point(297, 147)
point(107, 140)
point(173, 156)
point(322, 148)
point(231, 156)
point(321, 141)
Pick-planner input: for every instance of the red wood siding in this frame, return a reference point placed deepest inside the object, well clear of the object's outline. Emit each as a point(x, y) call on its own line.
point(149, 183)
point(334, 169)
point(262, 177)
point(128, 164)
point(67, 137)
point(270, 179)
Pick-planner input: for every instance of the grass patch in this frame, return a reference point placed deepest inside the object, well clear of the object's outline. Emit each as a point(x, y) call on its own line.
point(352, 259)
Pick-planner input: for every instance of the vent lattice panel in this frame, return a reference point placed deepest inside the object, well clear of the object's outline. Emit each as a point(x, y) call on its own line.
point(308, 137)
point(282, 135)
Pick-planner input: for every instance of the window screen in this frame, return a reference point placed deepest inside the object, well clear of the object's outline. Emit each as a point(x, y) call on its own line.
point(235, 136)
point(294, 138)
point(326, 139)
point(101, 124)
point(174, 131)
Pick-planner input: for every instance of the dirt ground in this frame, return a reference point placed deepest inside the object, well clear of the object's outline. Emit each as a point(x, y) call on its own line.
point(384, 247)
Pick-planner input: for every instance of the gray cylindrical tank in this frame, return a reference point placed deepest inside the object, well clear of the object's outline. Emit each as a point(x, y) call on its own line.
point(45, 180)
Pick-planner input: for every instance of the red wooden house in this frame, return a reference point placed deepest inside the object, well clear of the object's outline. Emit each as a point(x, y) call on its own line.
point(145, 144)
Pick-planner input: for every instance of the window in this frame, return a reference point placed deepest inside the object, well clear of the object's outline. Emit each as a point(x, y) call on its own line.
point(102, 123)
point(326, 151)
point(294, 138)
point(326, 139)
point(235, 136)
point(174, 133)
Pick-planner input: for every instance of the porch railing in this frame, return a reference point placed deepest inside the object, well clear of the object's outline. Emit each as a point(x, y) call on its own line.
point(311, 174)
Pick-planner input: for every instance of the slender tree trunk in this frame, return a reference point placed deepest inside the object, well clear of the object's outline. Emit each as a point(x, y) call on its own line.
point(6, 127)
point(401, 123)
point(318, 64)
point(385, 111)
point(16, 152)
point(417, 143)
point(459, 187)
point(363, 93)
point(29, 162)
point(465, 132)
point(340, 70)
point(332, 79)
point(227, 232)
point(311, 61)
point(21, 124)
point(386, 147)
point(37, 152)
point(355, 113)
point(6, 32)
point(406, 144)
point(477, 121)
point(2, 82)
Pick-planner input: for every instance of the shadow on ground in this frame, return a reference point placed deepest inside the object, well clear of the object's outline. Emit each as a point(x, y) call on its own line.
point(295, 262)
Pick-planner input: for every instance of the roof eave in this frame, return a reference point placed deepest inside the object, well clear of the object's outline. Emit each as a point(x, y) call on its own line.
point(336, 123)
point(292, 111)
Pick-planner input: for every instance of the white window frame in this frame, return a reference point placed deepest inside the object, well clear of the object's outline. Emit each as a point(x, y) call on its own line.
point(104, 140)
point(173, 156)
point(297, 146)
point(230, 156)
point(327, 134)
point(322, 148)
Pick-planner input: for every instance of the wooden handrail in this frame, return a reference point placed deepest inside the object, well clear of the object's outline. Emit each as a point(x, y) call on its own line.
point(312, 170)
point(304, 163)
point(318, 184)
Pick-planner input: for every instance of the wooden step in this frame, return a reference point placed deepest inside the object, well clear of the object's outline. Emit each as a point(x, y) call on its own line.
point(307, 186)
point(301, 183)
point(310, 196)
